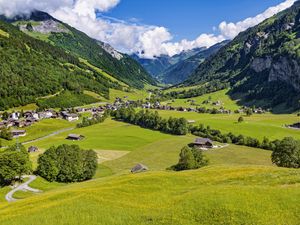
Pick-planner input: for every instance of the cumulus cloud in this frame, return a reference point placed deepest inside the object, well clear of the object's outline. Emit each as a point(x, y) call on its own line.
point(129, 37)
point(230, 30)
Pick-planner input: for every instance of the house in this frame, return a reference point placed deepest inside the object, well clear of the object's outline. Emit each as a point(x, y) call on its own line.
point(203, 143)
point(18, 133)
point(75, 137)
point(70, 117)
point(32, 149)
point(139, 168)
point(45, 115)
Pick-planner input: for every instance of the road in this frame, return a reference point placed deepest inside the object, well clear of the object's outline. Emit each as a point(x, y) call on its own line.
point(49, 135)
point(22, 187)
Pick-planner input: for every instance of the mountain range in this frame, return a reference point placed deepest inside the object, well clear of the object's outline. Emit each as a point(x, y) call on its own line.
point(42, 26)
point(40, 56)
point(262, 64)
point(175, 69)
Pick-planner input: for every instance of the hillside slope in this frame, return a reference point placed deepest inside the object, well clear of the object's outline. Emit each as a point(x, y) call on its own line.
point(262, 64)
point(31, 68)
point(212, 195)
point(44, 27)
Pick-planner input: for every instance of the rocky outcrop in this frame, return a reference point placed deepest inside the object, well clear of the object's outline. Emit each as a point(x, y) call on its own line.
point(287, 70)
point(46, 27)
point(110, 50)
point(261, 64)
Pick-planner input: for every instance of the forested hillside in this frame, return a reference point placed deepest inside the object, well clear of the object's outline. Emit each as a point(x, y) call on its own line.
point(261, 64)
point(31, 68)
point(42, 26)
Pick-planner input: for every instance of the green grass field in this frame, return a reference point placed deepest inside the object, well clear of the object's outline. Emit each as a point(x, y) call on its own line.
point(133, 95)
point(258, 126)
point(222, 96)
point(41, 129)
point(110, 135)
point(240, 186)
point(212, 195)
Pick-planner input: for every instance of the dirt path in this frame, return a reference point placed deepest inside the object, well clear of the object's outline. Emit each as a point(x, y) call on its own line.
point(21, 187)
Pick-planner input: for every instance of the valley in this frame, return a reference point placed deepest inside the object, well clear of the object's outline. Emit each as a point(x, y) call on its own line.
point(201, 135)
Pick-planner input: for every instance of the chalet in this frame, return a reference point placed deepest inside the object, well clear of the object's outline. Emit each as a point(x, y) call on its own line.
point(45, 115)
point(75, 137)
point(71, 117)
point(18, 133)
point(203, 143)
point(33, 149)
point(139, 168)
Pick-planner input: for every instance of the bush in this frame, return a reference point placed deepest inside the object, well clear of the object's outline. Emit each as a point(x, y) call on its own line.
point(287, 153)
point(67, 163)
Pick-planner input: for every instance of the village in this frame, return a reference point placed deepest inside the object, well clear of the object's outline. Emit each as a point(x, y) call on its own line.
point(14, 121)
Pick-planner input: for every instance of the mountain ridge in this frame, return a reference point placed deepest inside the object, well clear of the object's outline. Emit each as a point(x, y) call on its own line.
point(262, 64)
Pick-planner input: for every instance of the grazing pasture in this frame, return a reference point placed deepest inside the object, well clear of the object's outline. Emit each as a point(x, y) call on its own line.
point(233, 195)
point(259, 126)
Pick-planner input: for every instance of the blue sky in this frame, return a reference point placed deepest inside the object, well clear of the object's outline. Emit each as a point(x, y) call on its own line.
point(189, 18)
point(155, 27)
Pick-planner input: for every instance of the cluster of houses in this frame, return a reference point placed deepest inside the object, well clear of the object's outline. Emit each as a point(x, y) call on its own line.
point(221, 110)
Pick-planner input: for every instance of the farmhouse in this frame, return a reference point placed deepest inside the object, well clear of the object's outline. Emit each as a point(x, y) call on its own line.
point(203, 143)
point(18, 133)
point(32, 149)
point(139, 168)
point(75, 137)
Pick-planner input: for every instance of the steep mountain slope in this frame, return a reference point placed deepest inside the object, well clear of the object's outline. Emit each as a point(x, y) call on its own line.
point(31, 68)
point(261, 64)
point(158, 65)
point(42, 26)
point(180, 71)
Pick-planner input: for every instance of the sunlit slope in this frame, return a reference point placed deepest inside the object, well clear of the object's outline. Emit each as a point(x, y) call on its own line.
point(213, 195)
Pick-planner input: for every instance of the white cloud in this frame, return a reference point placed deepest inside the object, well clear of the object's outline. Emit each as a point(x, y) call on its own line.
point(230, 30)
point(129, 37)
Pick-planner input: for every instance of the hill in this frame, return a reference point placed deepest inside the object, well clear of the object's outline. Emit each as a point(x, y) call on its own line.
point(42, 26)
point(31, 68)
point(261, 64)
point(231, 195)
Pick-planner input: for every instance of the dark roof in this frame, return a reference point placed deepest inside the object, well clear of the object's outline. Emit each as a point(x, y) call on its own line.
point(203, 141)
point(139, 168)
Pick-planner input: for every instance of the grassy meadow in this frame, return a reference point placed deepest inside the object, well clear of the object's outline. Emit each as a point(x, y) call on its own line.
point(240, 185)
point(257, 125)
point(222, 96)
point(212, 195)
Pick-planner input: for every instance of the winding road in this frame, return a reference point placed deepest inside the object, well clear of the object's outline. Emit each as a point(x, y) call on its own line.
point(22, 187)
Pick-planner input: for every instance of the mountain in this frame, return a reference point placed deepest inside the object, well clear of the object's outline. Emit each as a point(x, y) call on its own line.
point(42, 26)
point(262, 64)
point(180, 71)
point(158, 65)
point(31, 68)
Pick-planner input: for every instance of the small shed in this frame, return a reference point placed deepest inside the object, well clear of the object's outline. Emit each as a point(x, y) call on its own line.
point(32, 149)
point(75, 137)
point(18, 133)
point(139, 168)
point(203, 143)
